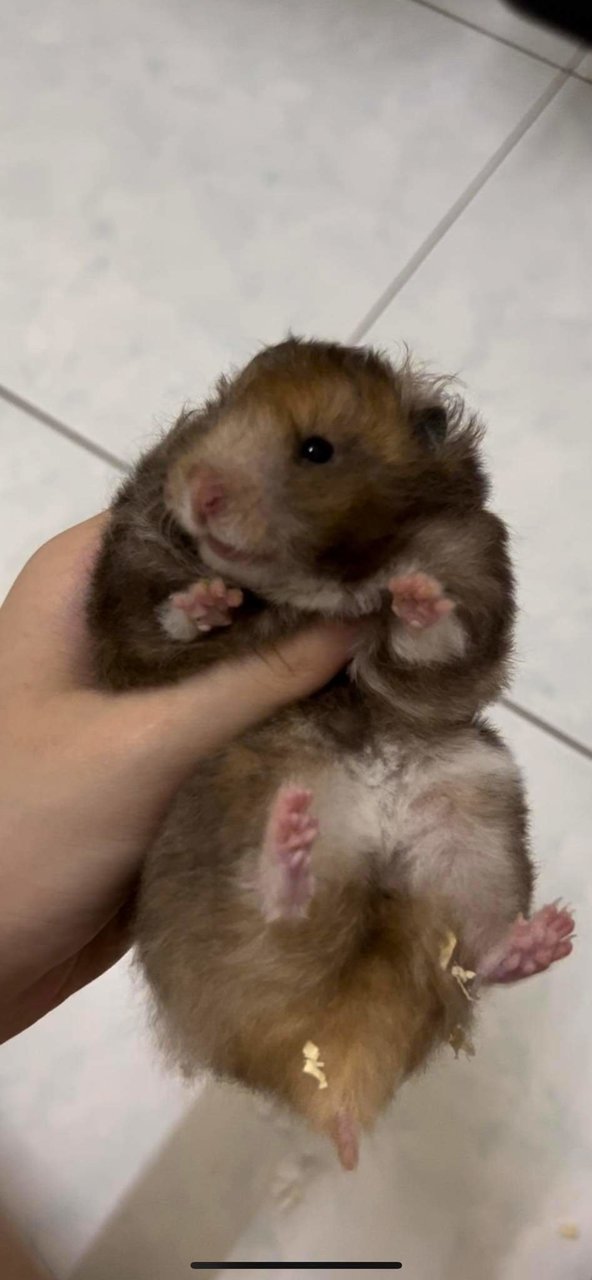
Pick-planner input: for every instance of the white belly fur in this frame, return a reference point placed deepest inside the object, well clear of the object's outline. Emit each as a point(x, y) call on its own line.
point(415, 821)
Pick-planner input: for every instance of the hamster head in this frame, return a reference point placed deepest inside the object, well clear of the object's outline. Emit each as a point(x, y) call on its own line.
point(302, 479)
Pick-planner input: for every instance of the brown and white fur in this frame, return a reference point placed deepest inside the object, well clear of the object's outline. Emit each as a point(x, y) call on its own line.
point(306, 877)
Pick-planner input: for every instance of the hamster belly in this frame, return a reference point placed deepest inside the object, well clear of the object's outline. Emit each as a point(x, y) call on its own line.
point(353, 968)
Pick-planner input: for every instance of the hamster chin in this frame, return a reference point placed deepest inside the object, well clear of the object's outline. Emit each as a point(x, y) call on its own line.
point(235, 564)
point(331, 598)
point(281, 581)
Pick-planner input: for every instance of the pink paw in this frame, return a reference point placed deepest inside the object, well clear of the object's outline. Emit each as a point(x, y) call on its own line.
point(207, 603)
point(418, 600)
point(530, 946)
point(286, 878)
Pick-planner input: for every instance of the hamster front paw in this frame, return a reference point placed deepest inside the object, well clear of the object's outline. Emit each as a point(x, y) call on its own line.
point(201, 607)
point(419, 600)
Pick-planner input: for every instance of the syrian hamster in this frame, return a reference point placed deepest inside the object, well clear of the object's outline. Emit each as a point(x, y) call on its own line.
point(293, 914)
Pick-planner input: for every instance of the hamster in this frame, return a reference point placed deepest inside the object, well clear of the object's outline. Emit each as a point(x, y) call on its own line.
point(297, 913)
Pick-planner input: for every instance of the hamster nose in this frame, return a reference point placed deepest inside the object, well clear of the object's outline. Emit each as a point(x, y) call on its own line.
point(208, 494)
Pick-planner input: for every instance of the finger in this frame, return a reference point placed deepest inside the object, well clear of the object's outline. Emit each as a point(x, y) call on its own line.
point(16, 1260)
point(194, 718)
point(98, 955)
point(45, 608)
point(21, 1008)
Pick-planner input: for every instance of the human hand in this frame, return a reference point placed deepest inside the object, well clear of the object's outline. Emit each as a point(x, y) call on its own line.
point(86, 776)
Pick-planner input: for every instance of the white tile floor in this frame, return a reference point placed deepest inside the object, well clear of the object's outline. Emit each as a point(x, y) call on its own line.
point(182, 180)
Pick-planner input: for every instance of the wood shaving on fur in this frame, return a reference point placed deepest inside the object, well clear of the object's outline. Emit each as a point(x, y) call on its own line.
point(460, 975)
point(313, 1065)
point(447, 949)
point(463, 977)
point(460, 1042)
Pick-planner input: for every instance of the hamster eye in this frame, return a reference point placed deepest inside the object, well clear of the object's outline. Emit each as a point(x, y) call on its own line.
point(316, 449)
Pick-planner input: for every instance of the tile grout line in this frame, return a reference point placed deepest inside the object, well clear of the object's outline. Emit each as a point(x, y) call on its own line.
point(75, 437)
point(492, 35)
point(545, 726)
point(512, 44)
point(97, 451)
point(431, 241)
point(465, 199)
point(575, 75)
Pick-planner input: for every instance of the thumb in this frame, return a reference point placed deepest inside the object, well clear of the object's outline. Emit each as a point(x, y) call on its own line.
point(183, 722)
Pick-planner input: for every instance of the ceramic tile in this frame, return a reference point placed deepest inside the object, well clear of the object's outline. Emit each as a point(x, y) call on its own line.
point(475, 1168)
point(502, 20)
point(197, 1195)
point(504, 301)
point(84, 1105)
point(46, 484)
point(182, 181)
point(585, 67)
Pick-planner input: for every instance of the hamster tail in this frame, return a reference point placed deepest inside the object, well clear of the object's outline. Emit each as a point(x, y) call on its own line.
point(345, 1133)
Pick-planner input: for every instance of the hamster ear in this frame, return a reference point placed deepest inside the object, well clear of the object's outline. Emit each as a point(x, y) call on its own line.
point(430, 424)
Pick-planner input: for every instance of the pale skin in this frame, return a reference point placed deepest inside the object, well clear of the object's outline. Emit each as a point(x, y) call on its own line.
point(16, 1260)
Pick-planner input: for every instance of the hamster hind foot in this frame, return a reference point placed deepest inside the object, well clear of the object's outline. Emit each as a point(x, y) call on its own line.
point(286, 880)
point(530, 946)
